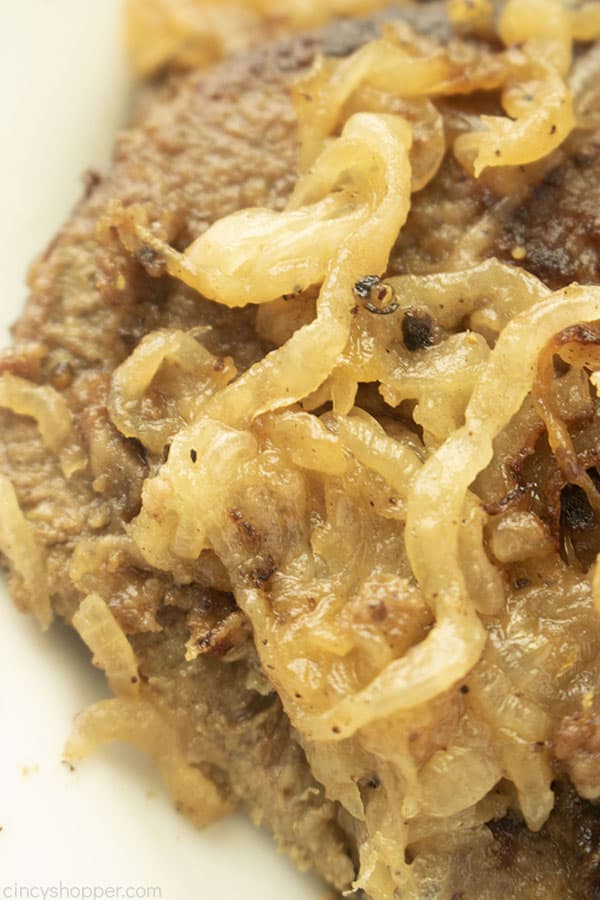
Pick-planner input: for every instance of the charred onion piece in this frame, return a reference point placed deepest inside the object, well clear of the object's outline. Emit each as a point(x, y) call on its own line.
point(579, 346)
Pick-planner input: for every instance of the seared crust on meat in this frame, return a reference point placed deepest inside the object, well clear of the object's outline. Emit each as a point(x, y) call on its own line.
point(561, 248)
point(205, 146)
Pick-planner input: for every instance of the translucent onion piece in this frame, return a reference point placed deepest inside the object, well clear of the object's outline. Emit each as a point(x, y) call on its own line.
point(535, 97)
point(372, 156)
point(441, 377)
point(500, 291)
point(483, 579)
point(448, 769)
point(363, 571)
point(342, 391)
point(153, 535)
point(528, 767)
point(579, 348)
point(541, 111)
point(471, 15)
point(320, 96)
point(518, 536)
point(193, 33)
point(112, 651)
point(138, 722)
point(502, 705)
point(437, 499)
point(257, 255)
point(522, 729)
point(187, 33)
point(435, 508)
point(21, 548)
point(152, 35)
point(51, 412)
point(133, 378)
point(441, 380)
point(585, 21)
point(492, 807)
point(190, 491)
point(300, 366)
point(543, 26)
point(429, 138)
point(100, 553)
point(382, 869)
point(309, 443)
point(368, 442)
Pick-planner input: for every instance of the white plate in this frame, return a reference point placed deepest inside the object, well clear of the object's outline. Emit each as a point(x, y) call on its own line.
point(109, 824)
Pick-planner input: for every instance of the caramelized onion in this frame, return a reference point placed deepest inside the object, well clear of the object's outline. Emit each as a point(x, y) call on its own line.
point(112, 651)
point(289, 374)
point(51, 412)
point(186, 33)
point(585, 21)
point(191, 375)
point(193, 33)
point(375, 546)
point(541, 117)
point(138, 722)
point(368, 442)
point(434, 511)
point(321, 95)
point(307, 440)
point(475, 16)
point(578, 346)
point(429, 139)
point(494, 289)
point(20, 546)
point(535, 96)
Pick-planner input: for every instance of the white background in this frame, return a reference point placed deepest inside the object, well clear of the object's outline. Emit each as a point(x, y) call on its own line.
point(64, 89)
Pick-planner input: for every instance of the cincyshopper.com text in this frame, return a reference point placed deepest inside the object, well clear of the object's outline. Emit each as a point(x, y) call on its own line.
point(63, 891)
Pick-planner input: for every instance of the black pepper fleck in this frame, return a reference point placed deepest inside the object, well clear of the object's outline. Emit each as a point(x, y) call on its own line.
point(417, 331)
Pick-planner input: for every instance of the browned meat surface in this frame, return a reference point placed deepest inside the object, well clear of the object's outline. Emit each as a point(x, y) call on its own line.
point(561, 247)
point(204, 147)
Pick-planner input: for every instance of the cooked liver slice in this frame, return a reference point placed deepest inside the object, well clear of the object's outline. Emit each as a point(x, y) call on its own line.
point(204, 146)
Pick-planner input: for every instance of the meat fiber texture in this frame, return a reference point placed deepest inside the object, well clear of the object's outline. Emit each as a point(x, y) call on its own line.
point(204, 145)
